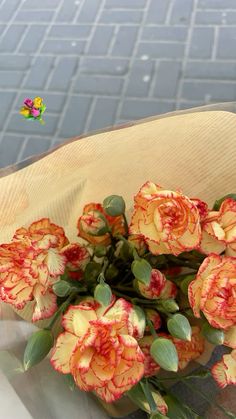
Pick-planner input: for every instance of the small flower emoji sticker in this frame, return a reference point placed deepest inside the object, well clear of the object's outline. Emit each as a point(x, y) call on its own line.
point(33, 109)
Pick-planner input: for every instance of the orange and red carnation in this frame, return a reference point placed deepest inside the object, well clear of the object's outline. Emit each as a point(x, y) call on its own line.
point(30, 265)
point(214, 291)
point(150, 366)
point(90, 223)
point(154, 317)
point(155, 286)
point(224, 371)
point(168, 221)
point(98, 348)
point(188, 351)
point(77, 256)
point(219, 230)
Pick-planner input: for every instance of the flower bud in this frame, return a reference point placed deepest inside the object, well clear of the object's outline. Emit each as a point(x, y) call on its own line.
point(92, 272)
point(155, 287)
point(61, 288)
point(218, 202)
point(154, 317)
point(215, 336)
point(103, 294)
point(185, 283)
point(94, 223)
point(164, 353)
point(37, 348)
point(179, 327)
point(114, 205)
point(141, 269)
point(168, 306)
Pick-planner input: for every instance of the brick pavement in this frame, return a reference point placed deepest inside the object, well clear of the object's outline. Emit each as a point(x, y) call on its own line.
point(101, 62)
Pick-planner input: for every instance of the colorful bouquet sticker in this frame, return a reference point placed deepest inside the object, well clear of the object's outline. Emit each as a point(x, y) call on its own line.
point(33, 109)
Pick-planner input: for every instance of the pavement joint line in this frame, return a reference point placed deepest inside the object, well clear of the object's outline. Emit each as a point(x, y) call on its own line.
point(215, 44)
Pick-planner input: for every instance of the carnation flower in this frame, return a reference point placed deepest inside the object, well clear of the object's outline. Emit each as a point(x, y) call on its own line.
point(188, 351)
point(155, 287)
point(98, 348)
point(168, 221)
point(30, 265)
point(77, 256)
point(224, 371)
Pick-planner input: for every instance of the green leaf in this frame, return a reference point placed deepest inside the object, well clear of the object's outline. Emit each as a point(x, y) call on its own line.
point(141, 269)
point(138, 397)
point(179, 327)
point(184, 284)
point(114, 205)
point(215, 336)
point(103, 294)
point(177, 409)
point(37, 348)
point(163, 351)
point(61, 288)
point(218, 202)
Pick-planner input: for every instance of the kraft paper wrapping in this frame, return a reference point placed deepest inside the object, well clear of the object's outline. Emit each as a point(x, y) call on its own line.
point(190, 150)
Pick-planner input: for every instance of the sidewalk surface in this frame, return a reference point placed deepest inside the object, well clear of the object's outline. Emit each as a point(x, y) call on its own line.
point(97, 63)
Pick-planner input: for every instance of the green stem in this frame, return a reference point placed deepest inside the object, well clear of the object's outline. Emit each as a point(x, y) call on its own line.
point(61, 309)
point(151, 328)
point(149, 396)
point(123, 288)
point(126, 225)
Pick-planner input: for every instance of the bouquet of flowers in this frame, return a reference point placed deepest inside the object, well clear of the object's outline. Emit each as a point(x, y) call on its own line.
point(131, 299)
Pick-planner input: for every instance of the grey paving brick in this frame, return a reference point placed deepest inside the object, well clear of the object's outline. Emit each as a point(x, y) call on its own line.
point(133, 109)
point(123, 4)
point(181, 11)
point(188, 104)
point(104, 113)
point(54, 101)
point(7, 98)
point(70, 31)
point(39, 73)
point(64, 47)
point(210, 70)
point(209, 91)
point(7, 9)
point(10, 148)
point(140, 78)
point(202, 43)
point(89, 11)
point(161, 50)
point(164, 33)
point(33, 39)
point(208, 17)
point(14, 62)
point(63, 74)
point(10, 79)
point(21, 125)
point(76, 116)
point(10, 40)
point(217, 4)
point(227, 43)
point(2, 28)
point(35, 146)
point(121, 16)
point(167, 78)
point(34, 16)
point(104, 66)
point(125, 41)
point(67, 11)
point(157, 11)
point(230, 18)
point(99, 85)
point(101, 40)
point(35, 4)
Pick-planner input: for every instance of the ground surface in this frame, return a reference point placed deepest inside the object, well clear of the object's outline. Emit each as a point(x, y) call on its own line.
point(101, 62)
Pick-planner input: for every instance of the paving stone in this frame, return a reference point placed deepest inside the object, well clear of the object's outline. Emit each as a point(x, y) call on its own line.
point(210, 70)
point(209, 91)
point(157, 11)
point(35, 4)
point(10, 40)
point(67, 11)
point(140, 78)
point(33, 39)
point(2, 28)
point(230, 18)
point(20, 125)
point(10, 79)
point(7, 9)
point(76, 116)
point(89, 11)
point(167, 79)
point(134, 109)
point(64, 47)
point(99, 85)
point(227, 43)
point(14, 62)
point(54, 101)
point(202, 43)
point(125, 41)
point(164, 33)
point(70, 31)
point(101, 40)
point(7, 99)
point(10, 148)
point(160, 50)
point(104, 113)
point(104, 66)
point(34, 16)
point(35, 146)
point(206, 17)
point(63, 74)
point(181, 11)
point(123, 4)
point(121, 16)
point(217, 4)
point(39, 73)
